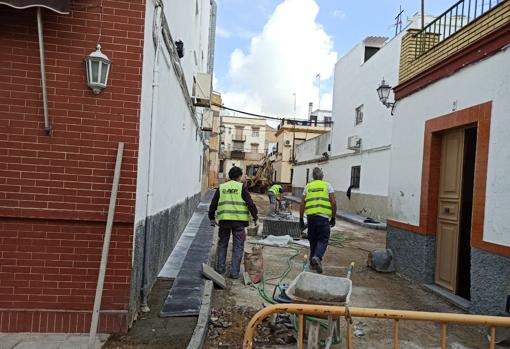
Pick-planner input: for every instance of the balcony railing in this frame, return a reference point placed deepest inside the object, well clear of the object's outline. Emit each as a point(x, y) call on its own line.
point(238, 138)
point(456, 17)
point(237, 154)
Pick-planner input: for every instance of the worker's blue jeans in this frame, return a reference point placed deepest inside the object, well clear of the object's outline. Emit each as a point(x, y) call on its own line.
point(238, 237)
point(318, 235)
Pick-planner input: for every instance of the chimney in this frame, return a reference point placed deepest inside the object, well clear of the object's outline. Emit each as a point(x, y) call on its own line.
point(310, 109)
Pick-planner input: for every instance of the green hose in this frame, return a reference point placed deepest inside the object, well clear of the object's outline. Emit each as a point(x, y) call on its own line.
point(261, 288)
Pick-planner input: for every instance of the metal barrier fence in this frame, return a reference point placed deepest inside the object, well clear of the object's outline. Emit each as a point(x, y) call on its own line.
point(456, 17)
point(444, 319)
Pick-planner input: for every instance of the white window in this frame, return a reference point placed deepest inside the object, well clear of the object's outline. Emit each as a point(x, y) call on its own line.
point(255, 131)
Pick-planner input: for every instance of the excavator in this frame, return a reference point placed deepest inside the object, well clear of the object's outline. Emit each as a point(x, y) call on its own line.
point(259, 182)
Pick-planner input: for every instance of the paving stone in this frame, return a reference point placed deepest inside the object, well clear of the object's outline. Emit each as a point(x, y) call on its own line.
point(211, 274)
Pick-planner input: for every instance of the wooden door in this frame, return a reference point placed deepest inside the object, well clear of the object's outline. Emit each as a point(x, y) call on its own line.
point(450, 198)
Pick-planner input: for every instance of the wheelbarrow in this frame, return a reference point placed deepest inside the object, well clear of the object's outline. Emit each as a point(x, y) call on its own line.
point(311, 288)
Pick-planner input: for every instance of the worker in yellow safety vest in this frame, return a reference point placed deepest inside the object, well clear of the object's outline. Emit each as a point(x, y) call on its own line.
point(231, 207)
point(274, 194)
point(319, 206)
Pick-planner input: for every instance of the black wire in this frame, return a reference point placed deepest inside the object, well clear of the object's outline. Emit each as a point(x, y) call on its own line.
point(273, 117)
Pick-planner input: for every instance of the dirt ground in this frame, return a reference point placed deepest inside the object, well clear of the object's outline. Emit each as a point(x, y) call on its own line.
point(235, 305)
point(153, 332)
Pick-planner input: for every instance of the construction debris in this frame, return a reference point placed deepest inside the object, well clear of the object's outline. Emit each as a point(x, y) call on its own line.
point(211, 274)
point(381, 260)
point(254, 263)
point(282, 241)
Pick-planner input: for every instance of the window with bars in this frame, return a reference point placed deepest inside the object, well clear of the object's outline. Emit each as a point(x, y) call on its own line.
point(359, 114)
point(355, 176)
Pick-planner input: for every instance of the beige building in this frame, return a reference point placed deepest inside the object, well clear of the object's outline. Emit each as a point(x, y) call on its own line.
point(243, 143)
point(290, 134)
point(213, 162)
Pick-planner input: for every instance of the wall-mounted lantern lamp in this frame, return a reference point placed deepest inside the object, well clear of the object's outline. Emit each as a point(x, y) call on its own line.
point(97, 66)
point(180, 48)
point(384, 91)
point(222, 129)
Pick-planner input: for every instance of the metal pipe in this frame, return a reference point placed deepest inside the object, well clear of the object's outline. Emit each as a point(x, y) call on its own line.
point(422, 14)
point(47, 126)
point(324, 311)
point(395, 334)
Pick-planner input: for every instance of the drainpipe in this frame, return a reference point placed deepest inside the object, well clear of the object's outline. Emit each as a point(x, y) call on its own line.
point(47, 126)
point(148, 205)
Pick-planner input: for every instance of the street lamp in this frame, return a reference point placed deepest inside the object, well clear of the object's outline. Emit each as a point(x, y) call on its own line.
point(97, 66)
point(384, 92)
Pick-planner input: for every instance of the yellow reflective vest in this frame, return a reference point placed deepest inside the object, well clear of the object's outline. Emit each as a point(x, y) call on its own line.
point(317, 198)
point(275, 189)
point(231, 206)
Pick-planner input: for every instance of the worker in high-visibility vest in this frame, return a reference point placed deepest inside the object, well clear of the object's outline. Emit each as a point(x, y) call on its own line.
point(231, 207)
point(319, 206)
point(274, 194)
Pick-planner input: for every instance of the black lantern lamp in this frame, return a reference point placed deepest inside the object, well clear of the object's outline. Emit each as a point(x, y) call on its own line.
point(97, 66)
point(384, 91)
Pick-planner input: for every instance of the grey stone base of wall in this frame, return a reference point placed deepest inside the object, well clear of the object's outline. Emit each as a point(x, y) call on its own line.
point(490, 282)
point(163, 232)
point(374, 206)
point(414, 254)
point(490, 273)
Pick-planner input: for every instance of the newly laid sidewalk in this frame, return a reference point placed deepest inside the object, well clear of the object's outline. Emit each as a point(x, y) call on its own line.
point(48, 341)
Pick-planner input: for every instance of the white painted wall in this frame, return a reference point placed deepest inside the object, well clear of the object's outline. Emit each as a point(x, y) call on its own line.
point(477, 83)
point(177, 147)
point(355, 84)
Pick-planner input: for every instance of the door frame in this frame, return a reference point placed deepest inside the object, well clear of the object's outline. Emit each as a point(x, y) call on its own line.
point(479, 115)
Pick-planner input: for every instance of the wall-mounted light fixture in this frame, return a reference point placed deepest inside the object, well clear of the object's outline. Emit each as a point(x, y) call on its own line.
point(179, 45)
point(97, 66)
point(384, 91)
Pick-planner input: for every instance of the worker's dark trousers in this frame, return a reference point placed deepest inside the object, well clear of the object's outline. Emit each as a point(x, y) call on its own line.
point(318, 235)
point(238, 237)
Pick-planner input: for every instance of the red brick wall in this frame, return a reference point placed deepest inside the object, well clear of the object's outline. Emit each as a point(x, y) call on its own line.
point(54, 190)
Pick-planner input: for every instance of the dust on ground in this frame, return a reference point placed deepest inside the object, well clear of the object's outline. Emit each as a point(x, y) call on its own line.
point(236, 305)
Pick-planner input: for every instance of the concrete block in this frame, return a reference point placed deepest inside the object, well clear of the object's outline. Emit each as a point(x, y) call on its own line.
point(211, 274)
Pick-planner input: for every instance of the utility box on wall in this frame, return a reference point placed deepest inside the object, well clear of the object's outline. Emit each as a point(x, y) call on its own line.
point(202, 89)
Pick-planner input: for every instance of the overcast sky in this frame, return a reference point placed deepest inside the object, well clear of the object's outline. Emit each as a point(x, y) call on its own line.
point(267, 50)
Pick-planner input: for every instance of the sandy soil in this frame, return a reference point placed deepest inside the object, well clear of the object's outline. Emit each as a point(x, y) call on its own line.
point(370, 290)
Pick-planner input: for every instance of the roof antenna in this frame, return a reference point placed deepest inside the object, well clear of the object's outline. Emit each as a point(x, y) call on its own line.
point(398, 21)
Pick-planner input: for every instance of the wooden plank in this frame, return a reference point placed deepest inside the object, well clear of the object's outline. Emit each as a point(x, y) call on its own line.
point(106, 248)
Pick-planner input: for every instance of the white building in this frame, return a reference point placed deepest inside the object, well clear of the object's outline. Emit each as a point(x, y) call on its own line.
point(358, 148)
point(449, 188)
point(171, 142)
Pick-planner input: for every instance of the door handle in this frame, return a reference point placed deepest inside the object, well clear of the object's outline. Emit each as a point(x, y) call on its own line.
point(446, 210)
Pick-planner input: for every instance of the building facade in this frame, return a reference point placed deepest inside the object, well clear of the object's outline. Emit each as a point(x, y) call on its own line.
point(289, 135)
point(56, 180)
point(243, 143)
point(449, 189)
point(360, 141)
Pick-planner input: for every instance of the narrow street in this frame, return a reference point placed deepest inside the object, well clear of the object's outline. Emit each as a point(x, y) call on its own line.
point(237, 304)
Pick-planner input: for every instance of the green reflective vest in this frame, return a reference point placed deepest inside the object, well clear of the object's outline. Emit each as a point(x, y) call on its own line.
point(231, 206)
point(275, 189)
point(317, 198)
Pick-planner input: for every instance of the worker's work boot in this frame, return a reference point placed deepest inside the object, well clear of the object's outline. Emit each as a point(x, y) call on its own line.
point(317, 264)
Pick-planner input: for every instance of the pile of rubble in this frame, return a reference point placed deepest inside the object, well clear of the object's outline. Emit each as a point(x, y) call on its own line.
point(227, 326)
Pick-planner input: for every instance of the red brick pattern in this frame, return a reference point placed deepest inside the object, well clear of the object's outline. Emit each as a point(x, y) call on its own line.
point(54, 190)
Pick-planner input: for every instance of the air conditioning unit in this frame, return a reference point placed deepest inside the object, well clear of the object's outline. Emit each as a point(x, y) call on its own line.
point(287, 143)
point(353, 143)
point(202, 84)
